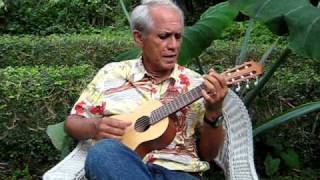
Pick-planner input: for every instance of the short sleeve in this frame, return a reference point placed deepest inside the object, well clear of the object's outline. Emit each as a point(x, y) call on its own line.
point(91, 103)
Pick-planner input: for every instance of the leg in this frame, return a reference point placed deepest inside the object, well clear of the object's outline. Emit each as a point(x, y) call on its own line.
point(161, 173)
point(110, 159)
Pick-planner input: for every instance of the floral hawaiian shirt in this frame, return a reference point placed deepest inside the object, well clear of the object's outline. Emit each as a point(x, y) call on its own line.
point(121, 87)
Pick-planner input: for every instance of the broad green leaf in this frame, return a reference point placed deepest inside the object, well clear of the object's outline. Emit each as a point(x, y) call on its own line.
point(57, 135)
point(198, 37)
point(124, 9)
point(291, 158)
point(298, 17)
point(294, 113)
point(304, 28)
point(245, 45)
point(271, 165)
point(130, 54)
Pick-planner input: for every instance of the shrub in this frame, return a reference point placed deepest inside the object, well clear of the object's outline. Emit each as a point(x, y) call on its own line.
point(56, 16)
point(31, 98)
point(61, 50)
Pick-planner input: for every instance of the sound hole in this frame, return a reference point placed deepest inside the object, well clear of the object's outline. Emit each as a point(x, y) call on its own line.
point(142, 124)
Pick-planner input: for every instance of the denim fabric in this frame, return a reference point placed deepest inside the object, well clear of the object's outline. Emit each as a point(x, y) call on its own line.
point(110, 159)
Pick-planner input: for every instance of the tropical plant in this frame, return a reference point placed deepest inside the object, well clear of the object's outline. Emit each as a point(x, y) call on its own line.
point(302, 20)
point(303, 31)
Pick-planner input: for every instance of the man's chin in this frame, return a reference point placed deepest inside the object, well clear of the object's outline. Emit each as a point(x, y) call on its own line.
point(170, 60)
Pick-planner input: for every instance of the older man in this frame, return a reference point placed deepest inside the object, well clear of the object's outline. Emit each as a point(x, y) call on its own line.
point(120, 88)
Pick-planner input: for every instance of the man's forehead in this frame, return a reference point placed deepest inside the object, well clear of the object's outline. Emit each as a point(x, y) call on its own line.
point(166, 15)
point(163, 10)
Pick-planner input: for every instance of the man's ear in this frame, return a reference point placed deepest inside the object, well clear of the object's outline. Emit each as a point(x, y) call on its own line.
point(137, 37)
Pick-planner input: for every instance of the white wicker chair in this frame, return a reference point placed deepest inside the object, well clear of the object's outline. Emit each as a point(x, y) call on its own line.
point(235, 156)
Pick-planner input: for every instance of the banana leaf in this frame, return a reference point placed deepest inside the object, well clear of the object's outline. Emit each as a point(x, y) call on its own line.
point(130, 54)
point(297, 18)
point(293, 114)
point(210, 26)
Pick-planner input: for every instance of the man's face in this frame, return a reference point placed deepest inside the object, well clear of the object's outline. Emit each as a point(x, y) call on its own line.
point(162, 43)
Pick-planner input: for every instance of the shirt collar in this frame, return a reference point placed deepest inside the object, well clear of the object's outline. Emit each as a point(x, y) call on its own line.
point(139, 72)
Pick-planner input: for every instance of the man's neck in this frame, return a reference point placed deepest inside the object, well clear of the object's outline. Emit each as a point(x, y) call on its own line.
point(157, 75)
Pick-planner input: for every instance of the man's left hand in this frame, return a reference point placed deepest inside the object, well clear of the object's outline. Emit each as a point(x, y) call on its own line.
point(215, 89)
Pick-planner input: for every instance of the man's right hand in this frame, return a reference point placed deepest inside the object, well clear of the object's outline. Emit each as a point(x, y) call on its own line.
point(82, 128)
point(110, 128)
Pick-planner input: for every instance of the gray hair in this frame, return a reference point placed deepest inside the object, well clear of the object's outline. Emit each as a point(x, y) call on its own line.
point(141, 19)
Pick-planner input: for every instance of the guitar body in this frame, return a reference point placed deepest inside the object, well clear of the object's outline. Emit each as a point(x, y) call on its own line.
point(143, 137)
point(155, 137)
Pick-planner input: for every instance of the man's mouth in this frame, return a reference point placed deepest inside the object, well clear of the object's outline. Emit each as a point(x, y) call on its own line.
point(170, 56)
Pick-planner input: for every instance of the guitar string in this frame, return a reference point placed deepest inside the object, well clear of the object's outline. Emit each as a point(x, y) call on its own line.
point(160, 111)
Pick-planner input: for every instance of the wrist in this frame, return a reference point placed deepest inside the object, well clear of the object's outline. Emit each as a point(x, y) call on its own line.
point(212, 115)
point(214, 121)
point(94, 128)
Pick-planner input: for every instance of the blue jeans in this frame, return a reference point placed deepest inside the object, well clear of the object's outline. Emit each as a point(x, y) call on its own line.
point(110, 159)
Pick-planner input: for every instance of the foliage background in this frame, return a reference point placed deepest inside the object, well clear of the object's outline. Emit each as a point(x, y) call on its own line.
point(49, 51)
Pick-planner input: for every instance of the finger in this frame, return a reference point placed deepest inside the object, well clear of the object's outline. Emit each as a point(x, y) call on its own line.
point(112, 130)
point(109, 136)
point(209, 87)
point(213, 82)
point(207, 97)
point(220, 78)
point(117, 123)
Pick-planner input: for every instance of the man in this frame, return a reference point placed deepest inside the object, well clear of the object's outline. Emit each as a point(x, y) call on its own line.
point(119, 88)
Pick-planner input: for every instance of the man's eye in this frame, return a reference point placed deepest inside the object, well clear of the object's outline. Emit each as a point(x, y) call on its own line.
point(163, 36)
point(177, 36)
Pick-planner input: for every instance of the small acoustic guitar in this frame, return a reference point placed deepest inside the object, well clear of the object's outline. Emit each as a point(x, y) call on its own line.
point(151, 128)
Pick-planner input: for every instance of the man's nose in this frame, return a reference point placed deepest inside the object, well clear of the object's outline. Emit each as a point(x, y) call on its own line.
point(173, 43)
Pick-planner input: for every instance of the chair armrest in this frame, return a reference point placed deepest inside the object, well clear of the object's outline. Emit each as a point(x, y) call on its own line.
point(72, 166)
point(235, 156)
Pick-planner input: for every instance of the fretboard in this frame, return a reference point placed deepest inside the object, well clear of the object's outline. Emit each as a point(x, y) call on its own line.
point(176, 104)
point(245, 71)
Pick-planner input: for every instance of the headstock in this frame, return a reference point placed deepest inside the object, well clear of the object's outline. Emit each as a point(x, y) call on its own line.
point(244, 72)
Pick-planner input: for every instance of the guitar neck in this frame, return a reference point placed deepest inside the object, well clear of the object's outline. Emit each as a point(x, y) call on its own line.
point(247, 71)
point(175, 105)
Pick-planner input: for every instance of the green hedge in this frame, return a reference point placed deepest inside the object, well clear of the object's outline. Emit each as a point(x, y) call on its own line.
point(31, 98)
point(57, 16)
point(62, 50)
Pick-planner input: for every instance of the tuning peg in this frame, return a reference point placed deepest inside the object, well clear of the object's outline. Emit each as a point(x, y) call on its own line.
point(247, 84)
point(256, 81)
point(238, 87)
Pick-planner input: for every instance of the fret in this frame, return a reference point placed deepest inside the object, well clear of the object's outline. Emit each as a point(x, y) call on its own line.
point(170, 106)
point(174, 105)
point(157, 115)
point(162, 113)
point(166, 109)
point(152, 118)
point(184, 100)
point(178, 102)
point(189, 97)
